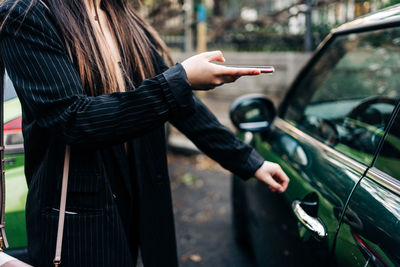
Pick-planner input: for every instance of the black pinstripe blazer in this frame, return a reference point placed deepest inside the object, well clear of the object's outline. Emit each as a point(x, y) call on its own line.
point(104, 184)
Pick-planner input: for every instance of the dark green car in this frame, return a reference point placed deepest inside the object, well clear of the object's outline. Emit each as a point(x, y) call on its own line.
point(337, 136)
point(16, 188)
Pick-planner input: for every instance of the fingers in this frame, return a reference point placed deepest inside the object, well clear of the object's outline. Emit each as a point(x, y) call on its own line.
point(273, 175)
point(241, 71)
point(229, 78)
point(282, 177)
point(204, 75)
point(223, 70)
point(220, 80)
point(218, 56)
point(229, 75)
point(273, 185)
point(214, 56)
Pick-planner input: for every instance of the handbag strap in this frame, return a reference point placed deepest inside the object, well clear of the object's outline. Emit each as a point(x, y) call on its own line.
point(63, 201)
point(3, 238)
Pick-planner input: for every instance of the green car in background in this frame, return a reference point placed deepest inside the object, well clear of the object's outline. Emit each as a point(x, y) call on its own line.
point(16, 188)
point(337, 136)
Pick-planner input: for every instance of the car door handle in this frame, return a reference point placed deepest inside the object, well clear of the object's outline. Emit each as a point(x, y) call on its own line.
point(10, 161)
point(313, 224)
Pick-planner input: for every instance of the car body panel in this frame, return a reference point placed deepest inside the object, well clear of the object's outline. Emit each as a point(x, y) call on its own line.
point(371, 227)
point(318, 173)
point(12, 109)
point(16, 187)
point(13, 161)
point(15, 207)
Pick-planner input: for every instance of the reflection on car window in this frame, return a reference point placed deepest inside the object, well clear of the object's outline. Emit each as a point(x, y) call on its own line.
point(347, 97)
point(389, 157)
point(9, 91)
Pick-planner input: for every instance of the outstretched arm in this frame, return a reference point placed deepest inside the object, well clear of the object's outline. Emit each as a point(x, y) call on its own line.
point(219, 143)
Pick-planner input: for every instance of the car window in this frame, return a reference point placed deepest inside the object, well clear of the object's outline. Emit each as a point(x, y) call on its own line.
point(9, 91)
point(347, 97)
point(389, 156)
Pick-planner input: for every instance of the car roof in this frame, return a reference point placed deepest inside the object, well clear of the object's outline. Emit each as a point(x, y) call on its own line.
point(380, 19)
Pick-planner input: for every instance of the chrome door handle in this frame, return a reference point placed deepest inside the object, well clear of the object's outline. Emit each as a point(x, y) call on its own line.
point(313, 224)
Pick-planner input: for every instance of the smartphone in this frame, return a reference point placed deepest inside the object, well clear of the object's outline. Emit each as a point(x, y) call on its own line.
point(263, 69)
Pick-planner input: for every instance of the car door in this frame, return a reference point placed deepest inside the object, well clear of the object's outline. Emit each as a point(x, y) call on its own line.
point(369, 234)
point(15, 182)
point(327, 133)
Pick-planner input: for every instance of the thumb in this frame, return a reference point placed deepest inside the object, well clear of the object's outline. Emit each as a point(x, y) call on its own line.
point(214, 56)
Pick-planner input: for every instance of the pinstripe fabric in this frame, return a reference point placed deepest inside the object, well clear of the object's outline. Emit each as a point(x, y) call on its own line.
point(56, 111)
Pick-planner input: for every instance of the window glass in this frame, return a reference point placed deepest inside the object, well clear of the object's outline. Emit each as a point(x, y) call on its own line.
point(346, 99)
point(389, 157)
point(9, 91)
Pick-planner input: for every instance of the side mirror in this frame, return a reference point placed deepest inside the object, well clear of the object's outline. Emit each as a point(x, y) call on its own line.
point(252, 113)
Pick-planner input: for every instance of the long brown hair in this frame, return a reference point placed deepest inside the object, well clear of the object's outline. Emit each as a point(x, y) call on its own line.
point(137, 42)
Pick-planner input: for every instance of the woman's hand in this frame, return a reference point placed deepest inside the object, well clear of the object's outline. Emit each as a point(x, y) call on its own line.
point(273, 175)
point(204, 75)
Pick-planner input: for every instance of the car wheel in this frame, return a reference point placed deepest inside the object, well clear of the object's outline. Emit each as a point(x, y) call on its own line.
point(239, 214)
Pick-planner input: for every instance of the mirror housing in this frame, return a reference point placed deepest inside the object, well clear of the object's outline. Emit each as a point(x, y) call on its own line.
point(252, 113)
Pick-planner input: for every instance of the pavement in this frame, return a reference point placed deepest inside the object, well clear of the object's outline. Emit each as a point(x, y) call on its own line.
point(201, 192)
point(201, 200)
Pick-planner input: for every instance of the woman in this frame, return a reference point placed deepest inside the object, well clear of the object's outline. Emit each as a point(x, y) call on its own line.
point(89, 74)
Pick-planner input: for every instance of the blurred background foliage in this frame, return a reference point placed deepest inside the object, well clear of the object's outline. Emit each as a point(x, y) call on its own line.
point(254, 25)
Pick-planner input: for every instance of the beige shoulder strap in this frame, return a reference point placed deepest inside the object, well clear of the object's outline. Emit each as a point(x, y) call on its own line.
point(63, 201)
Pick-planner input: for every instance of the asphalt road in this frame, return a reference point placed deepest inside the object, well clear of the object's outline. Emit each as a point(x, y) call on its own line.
point(202, 206)
point(201, 197)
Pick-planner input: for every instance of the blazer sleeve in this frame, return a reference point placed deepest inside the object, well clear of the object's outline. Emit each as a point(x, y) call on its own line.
point(218, 142)
point(214, 139)
point(52, 96)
